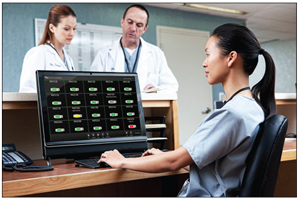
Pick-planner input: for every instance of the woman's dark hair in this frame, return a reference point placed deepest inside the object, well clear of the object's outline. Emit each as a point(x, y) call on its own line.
point(235, 37)
point(140, 7)
point(54, 17)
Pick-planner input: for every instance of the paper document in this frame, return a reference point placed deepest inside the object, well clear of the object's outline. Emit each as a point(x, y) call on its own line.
point(156, 126)
point(153, 89)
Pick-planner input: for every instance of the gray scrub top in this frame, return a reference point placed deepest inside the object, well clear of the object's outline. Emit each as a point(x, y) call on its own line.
point(219, 148)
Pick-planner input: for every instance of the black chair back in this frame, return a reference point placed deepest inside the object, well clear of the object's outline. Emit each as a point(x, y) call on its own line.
point(264, 159)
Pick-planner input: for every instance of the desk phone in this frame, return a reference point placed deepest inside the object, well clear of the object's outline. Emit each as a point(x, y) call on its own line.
point(11, 157)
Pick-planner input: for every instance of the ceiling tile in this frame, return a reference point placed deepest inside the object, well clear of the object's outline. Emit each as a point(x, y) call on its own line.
point(283, 27)
point(268, 20)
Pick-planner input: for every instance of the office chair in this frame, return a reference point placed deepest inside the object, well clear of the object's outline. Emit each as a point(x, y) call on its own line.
point(264, 159)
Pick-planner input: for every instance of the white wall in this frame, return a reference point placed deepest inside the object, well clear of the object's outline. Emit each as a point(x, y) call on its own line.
point(284, 56)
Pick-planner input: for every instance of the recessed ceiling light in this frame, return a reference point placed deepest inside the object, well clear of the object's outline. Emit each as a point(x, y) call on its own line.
point(215, 8)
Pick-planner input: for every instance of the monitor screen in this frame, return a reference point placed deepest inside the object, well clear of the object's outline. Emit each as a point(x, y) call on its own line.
point(85, 113)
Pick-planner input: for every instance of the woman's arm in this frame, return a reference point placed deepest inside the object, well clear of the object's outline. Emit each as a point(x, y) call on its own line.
point(162, 162)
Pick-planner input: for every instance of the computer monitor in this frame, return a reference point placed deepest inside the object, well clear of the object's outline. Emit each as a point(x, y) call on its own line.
point(82, 114)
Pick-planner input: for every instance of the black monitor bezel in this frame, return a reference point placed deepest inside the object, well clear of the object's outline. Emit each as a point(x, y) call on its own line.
point(84, 148)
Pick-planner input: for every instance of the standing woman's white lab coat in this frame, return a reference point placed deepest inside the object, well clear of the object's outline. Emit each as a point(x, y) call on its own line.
point(42, 57)
point(152, 67)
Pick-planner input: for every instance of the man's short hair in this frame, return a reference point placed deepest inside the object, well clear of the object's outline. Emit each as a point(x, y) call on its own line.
point(140, 7)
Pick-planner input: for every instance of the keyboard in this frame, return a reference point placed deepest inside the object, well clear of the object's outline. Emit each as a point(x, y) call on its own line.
point(93, 162)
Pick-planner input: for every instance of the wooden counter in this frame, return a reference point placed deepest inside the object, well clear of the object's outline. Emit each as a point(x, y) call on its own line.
point(286, 185)
point(289, 150)
point(68, 180)
point(286, 98)
point(66, 176)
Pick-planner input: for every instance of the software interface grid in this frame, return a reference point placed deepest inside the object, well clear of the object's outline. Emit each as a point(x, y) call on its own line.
point(81, 108)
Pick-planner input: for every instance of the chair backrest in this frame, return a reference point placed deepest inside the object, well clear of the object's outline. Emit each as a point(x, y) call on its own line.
point(264, 159)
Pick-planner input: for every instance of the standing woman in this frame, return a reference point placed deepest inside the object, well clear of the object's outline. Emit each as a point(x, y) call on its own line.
point(216, 153)
point(49, 54)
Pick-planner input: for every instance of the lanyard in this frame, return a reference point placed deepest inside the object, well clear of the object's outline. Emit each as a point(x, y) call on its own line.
point(245, 88)
point(51, 45)
point(137, 57)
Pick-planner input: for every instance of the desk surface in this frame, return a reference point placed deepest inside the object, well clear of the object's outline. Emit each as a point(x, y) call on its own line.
point(289, 150)
point(67, 176)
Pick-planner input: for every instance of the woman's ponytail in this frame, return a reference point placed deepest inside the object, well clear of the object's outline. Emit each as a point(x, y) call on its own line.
point(264, 90)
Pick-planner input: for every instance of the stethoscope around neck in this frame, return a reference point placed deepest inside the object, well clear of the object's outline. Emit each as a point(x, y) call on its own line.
point(51, 45)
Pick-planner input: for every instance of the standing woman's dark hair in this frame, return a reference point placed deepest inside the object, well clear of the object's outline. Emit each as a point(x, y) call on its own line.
point(54, 17)
point(234, 37)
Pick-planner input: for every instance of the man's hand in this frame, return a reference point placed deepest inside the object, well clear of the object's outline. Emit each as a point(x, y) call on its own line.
point(149, 86)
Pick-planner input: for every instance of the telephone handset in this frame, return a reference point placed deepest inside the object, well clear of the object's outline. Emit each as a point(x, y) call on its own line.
point(12, 159)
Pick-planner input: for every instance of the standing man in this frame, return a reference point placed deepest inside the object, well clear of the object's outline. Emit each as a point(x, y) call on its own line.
point(132, 54)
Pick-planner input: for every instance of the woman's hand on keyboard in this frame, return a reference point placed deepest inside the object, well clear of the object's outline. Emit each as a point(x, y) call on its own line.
point(152, 151)
point(113, 158)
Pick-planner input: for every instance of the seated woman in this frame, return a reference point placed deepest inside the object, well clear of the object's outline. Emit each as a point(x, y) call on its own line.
point(215, 154)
